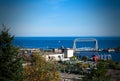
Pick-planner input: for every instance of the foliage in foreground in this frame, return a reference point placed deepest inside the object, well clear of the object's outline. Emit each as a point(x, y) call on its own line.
point(41, 70)
point(98, 74)
point(114, 65)
point(10, 65)
point(93, 71)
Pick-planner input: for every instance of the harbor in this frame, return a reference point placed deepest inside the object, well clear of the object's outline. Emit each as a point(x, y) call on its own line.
point(74, 57)
point(82, 58)
point(60, 40)
point(75, 46)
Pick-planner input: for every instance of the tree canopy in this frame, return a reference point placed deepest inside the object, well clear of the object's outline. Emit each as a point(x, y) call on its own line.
point(98, 74)
point(10, 65)
point(41, 70)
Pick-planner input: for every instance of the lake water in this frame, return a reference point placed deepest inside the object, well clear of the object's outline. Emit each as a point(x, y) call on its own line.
point(57, 42)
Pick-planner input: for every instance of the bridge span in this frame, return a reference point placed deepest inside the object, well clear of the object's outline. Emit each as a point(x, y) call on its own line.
point(85, 48)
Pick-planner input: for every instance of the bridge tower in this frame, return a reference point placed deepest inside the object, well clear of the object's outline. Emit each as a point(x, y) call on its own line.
point(85, 40)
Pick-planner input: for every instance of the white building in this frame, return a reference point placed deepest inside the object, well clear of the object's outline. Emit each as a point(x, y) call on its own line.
point(68, 53)
point(60, 56)
point(53, 56)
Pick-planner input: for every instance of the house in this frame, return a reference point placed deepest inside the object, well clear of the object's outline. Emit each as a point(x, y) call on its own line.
point(60, 56)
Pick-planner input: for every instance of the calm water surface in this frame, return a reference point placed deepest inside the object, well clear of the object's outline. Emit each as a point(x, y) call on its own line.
point(57, 42)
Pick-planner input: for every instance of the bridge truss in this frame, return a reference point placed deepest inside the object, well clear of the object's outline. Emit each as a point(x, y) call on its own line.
point(85, 40)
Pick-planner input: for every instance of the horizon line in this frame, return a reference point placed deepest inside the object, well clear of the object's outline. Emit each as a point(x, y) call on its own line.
point(66, 36)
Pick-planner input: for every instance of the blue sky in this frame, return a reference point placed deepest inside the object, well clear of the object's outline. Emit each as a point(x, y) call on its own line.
point(61, 17)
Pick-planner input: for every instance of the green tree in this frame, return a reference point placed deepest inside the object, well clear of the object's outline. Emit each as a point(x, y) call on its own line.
point(73, 58)
point(98, 74)
point(85, 58)
point(41, 70)
point(10, 65)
